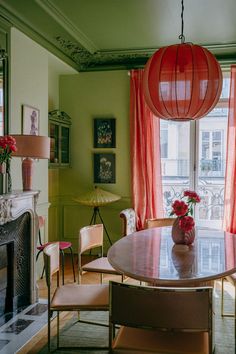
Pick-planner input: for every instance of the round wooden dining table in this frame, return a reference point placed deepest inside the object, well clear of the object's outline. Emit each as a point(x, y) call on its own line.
point(151, 256)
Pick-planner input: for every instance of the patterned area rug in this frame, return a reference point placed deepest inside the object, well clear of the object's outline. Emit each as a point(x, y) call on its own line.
point(82, 334)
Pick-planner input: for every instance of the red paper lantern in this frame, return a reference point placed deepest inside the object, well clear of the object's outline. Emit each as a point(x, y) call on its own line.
point(182, 82)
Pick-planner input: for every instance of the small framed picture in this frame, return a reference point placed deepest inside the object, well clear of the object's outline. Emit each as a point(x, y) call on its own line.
point(104, 133)
point(30, 120)
point(104, 168)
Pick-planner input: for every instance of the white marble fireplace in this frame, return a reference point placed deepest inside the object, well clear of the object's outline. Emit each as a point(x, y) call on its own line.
point(18, 239)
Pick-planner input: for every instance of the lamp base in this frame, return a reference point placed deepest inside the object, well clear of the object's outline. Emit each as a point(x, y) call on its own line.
point(27, 172)
point(96, 213)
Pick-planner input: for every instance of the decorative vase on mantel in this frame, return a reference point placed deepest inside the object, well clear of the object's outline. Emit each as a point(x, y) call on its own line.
point(181, 237)
point(3, 178)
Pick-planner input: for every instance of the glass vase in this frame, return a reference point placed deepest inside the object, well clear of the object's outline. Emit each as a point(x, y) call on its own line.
point(3, 179)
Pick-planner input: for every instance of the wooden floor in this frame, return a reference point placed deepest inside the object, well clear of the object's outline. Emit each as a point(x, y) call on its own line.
point(37, 343)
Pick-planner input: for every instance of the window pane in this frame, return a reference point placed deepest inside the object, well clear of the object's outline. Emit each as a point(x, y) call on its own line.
point(175, 155)
point(211, 167)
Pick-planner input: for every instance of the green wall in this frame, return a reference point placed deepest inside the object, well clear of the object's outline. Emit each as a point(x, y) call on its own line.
point(33, 80)
point(85, 96)
point(28, 85)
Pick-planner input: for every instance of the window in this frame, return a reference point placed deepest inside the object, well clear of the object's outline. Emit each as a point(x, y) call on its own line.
point(193, 157)
point(164, 141)
point(211, 152)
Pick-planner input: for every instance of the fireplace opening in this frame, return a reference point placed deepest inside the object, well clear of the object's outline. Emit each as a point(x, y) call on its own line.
point(6, 277)
point(3, 278)
point(15, 264)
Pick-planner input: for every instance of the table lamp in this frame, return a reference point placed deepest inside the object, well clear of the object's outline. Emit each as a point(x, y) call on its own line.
point(30, 147)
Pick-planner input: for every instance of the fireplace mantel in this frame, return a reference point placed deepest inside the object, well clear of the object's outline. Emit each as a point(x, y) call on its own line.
point(12, 206)
point(17, 203)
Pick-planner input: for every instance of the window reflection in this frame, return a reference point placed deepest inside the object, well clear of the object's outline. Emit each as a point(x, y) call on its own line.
point(205, 257)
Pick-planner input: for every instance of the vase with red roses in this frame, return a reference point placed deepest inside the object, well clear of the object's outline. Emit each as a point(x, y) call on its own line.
point(7, 147)
point(183, 231)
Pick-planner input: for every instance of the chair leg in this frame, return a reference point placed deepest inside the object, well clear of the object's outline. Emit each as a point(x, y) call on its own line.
point(234, 318)
point(72, 262)
point(42, 272)
point(223, 314)
point(222, 297)
point(58, 329)
point(62, 265)
point(79, 277)
point(49, 330)
point(37, 255)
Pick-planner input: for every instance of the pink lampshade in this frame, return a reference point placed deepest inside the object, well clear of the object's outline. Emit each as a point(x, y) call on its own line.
point(31, 147)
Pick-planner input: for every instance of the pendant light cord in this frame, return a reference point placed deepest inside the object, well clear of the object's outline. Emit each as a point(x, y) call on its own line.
point(181, 36)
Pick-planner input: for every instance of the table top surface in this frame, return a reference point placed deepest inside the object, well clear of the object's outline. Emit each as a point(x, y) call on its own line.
point(150, 255)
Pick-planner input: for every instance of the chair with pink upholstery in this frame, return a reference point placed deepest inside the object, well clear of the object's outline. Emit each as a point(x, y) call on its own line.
point(63, 245)
point(91, 237)
point(160, 320)
point(128, 217)
point(70, 297)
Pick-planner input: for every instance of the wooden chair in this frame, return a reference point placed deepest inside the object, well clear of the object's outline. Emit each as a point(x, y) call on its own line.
point(159, 222)
point(70, 297)
point(128, 217)
point(63, 245)
point(92, 237)
point(160, 320)
point(232, 280)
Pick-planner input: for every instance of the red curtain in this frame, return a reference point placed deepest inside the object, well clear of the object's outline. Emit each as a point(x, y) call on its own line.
point(145, 155)
point(229, 223)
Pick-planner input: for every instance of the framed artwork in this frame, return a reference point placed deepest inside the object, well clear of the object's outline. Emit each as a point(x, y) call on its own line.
point(30, 120)
point(104, 132)
point(104, 168)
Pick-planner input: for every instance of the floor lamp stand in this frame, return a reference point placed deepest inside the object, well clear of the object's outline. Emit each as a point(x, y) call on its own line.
point(95, 216)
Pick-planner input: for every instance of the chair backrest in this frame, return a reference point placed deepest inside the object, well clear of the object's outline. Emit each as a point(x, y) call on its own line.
point(128, 217)
point(159, 222)
point(161, 308)
point(51, 261)
point(90, 237)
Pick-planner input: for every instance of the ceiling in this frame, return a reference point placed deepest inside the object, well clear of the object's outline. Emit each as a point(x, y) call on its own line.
point(117, 34)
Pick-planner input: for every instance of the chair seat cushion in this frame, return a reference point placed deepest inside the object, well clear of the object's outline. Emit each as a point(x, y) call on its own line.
point(62, 245)
point(100, 265)
point(136, 340)
point(84, 297)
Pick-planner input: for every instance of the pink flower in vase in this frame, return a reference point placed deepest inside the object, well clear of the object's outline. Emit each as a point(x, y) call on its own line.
point(193, 196)
point(186, 223)
point(180, 208)
point(7, 146)
point(184, 210)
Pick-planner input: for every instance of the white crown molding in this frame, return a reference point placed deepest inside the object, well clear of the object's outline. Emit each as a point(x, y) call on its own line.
point(64, 22)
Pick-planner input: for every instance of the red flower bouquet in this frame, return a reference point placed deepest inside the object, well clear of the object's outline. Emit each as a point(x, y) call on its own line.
point(184, 210)
point(7, 146)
